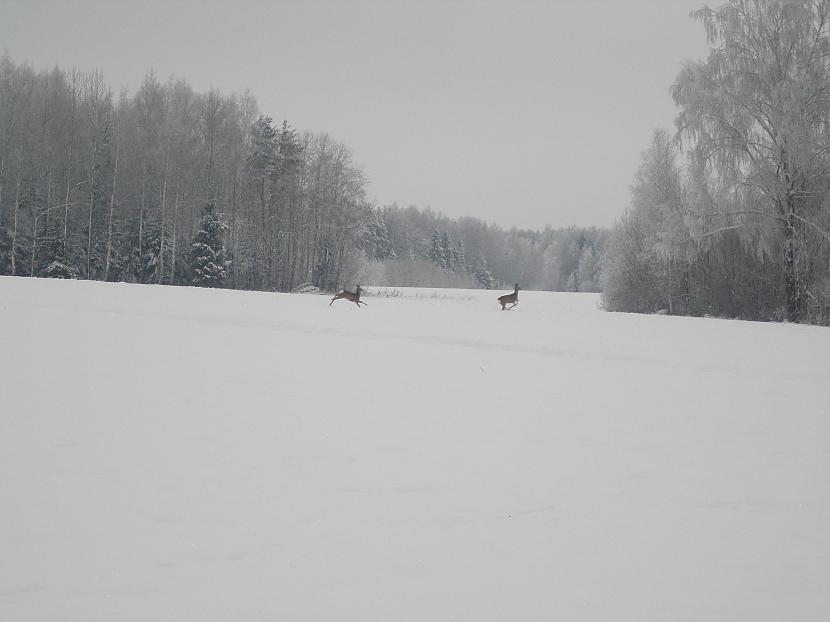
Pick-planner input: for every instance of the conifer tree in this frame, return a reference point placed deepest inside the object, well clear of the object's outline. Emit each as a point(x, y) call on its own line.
point(446, 251)
point(482, 276)
point(59, 267)
point(376, 237)
point(208, 263)
point(437, 253)
point(459, 261)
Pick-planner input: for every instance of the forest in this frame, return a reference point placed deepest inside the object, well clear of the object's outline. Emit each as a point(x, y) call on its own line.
point(730, 212)
point(170, 186)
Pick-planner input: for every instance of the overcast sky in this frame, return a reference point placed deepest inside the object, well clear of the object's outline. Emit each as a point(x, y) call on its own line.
point(520, 113)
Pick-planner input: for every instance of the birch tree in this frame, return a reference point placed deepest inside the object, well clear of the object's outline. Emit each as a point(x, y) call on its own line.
point(756, 115)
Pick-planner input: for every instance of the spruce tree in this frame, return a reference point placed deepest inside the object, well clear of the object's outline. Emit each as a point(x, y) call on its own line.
point(447, 250)
point(438, 251)
point(208, 263)
point(459, 261)
point(482, 276)
point(376, 239)
point(57, 265)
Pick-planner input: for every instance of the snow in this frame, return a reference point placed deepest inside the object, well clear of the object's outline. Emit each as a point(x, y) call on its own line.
point(190, 454)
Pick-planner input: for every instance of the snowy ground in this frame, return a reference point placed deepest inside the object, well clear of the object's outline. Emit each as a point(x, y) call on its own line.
point(171, 454)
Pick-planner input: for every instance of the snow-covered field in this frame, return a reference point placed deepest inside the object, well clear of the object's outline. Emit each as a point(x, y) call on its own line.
point(171, 454)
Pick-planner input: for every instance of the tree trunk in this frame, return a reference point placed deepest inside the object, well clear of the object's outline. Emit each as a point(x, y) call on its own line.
point(141, 227)
point(232, 233)
point(671, 293)
point(49, 194)
point(340, 252)
point(161, 227)
point(14, 227)
point(792, 283)
point(175, 220)
point(288, 271)
point(74, 91)
point(112, 210)
point(34, 246)
point(2, 170)
point(91, 207)
point(66, 200)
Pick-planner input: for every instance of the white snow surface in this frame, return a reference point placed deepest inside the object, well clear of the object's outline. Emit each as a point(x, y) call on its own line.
point(171, 454)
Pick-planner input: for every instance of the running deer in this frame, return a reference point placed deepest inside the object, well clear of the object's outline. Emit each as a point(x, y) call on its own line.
point(355, 298)
point(508, 298)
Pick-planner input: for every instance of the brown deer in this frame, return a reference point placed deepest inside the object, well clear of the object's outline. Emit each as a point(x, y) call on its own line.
point(508, 298)
point(355, 298)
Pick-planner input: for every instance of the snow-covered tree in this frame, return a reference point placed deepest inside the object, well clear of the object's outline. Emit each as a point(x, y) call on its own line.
point(263, 156)
point(573, 282)
point(458, 261)
point(588, 271)
point(376, 239)
point(482, 276)
point(438, 250)
point(59, 266)
point(651, 246)
point(755, 112)
point(629, 279)
point(447, 250)
point(208, 263)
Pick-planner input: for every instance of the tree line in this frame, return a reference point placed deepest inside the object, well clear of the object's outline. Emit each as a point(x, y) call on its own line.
point(411, 246)
point(170, 186)
point(113, 188)
point(730, 215)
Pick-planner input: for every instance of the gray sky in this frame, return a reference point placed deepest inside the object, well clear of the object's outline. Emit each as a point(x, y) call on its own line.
point(520, 113)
